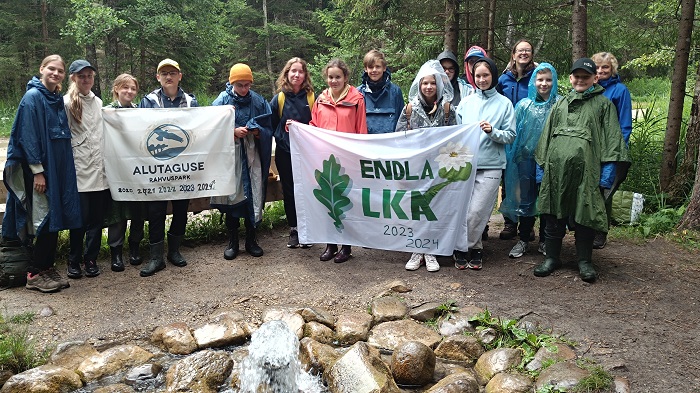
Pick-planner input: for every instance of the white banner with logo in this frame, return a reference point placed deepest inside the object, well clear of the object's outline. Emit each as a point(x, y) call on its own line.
point(404, 191)
point(166, 154)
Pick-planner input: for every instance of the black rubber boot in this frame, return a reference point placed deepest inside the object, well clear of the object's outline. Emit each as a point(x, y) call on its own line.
point(553, 259)
point(134, 256)
point(584, 253)
point(74, 271)
point(251, 243)
point(174, 255)
point(231, 250)
point(156, 263)
point(117, 261)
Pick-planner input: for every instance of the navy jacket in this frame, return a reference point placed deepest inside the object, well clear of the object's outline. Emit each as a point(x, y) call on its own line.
point(514, 89)
point(383, 102)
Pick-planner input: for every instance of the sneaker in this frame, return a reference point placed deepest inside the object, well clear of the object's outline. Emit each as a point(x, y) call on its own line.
point(431, 263)
point(460, 258)
point(293, 239)
point(509, 231)
point(42, 282)
point(415, 262)
point(518, 250)
point(600, 240)
point(53, 273)
point(306, 245)
point(475, 261)
point(541, 249)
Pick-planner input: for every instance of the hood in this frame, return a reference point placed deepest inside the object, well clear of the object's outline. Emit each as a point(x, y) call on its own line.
point(51, 97)
point(474, 51)
point(494, 71)
point(375, 86)
point(448, 55)
point(532, 89)
point(444, 88)
point(613, 80)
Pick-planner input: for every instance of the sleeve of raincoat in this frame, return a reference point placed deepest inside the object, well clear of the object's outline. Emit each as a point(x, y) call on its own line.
point(624, 114)
point(402, 124)
point(543, 144)
point(504, 131)
point(221, 99)
point(361, 118)
point(29, 117)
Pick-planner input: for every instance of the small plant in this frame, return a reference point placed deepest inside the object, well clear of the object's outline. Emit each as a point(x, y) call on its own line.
point(17, 349)
point(663, 221)
point(549, 389)
point(599, 380)
point(22, 319)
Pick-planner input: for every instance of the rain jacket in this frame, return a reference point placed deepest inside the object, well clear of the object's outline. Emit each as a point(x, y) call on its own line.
point(420, 111)
point(252, 111)
point(87, 140)
point(346, 115)
point(581, 133)
point(296, 107)
point(156, 99)
point(460, 87)
point(520, 176)
point(618, 93)
point(489, 105)
point(513, 88)
point(40, 137)
point(383, 103)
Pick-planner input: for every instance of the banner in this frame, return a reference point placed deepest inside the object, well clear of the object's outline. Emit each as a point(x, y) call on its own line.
point(405, 191)
point(166, 154)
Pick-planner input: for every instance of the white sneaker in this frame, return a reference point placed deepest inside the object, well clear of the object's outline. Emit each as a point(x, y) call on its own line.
point(415, 261)
point(518, 250)
point(431, 263)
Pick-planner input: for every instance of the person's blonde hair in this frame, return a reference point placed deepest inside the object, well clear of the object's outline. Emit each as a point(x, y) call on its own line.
point(372, 57)
point(283, 83)
point(601, 57)
point(48, 59)
point(120, 81)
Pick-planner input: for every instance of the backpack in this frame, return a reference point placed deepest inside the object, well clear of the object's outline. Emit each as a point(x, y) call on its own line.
point(310, 97)
point(409, 110)
point(14, 260)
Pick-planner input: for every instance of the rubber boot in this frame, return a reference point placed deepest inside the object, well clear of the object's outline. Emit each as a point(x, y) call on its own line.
point(251, 243)
point(231, 250)
point(117, 262)
point(553, 259)
point(74, 271)
point(174, 255)
point(156, 263)
point(134, 256)
point(584, 252)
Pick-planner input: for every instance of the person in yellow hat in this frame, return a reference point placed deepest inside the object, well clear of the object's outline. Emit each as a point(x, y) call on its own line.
point(253, 137)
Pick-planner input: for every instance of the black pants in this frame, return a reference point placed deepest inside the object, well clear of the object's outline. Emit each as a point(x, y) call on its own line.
point(156, 219)
point(233, 223)
point(283, 160)
point(93, 206)
point(44, 251)
point(556, 228)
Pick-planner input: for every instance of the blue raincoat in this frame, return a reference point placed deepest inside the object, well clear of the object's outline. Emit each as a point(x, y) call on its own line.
point(383, 103)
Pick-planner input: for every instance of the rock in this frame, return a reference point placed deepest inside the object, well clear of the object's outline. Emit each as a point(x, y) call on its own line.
point(563, 376)
point(320, 315)
point(316, 357)
point(487, 336)
point(509, 383)
point(319, 332)
point(4, 376)
point(352, 327)
point(175, 338)
point(116, 388)
point(413, 363)
point(622, 385)
point(495, 361)
point(456, 383)
point(392, 334)
point(387, 308)
point(399, 286)
point(220, 334)
point(43, 379)
point(460, 348)
point(46, 311)
point(69, 355)
point(458, 322)
point(562, 353)
point(201, 372)
point(142, 372)
point(231, 315)
point(294, 320)
point(360, 370)
point(425, 311)
point(112, 360)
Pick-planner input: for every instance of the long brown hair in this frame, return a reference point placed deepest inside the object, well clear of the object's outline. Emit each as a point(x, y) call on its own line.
point(48, 59)
point(283, 82)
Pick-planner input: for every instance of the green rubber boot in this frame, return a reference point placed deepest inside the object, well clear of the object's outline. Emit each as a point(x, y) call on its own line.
point(584, 252)
point(552, 260)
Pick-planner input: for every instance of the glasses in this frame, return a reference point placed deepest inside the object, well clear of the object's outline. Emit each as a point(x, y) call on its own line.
point(169, 73)
point(523, 51)
point(449, 69)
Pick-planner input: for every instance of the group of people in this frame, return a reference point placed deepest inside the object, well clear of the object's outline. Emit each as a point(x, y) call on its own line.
point(555, 156)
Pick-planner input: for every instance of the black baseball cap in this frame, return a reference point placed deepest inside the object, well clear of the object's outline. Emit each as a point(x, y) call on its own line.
point(79, 65)
point(585, 64)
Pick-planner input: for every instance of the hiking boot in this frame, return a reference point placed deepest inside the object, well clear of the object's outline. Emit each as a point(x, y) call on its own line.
point(415, 261)
point(53, 273)
point(156, 263)
point(460, 258)
point(485, 233)
point(293, 239)
point(600, 240)
point(251, 243)
point(518, 249)
point(42, 282)
point(552, 261)
point(329, 253)
point(584, 253)
point(231, 251)
point(117, 261)
point(91, 269)
point(431, 263)
point(174, 255)
point(510, 230)
point(134, 256)
point(74, 271)
point(343, 255)
point(475, 263)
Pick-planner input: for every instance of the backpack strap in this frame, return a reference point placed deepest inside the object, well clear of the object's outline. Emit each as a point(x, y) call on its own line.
point(446, 107)
point(408, 111)
point(310, 98)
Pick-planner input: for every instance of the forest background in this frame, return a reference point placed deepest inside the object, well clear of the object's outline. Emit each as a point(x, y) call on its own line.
point(208, 36)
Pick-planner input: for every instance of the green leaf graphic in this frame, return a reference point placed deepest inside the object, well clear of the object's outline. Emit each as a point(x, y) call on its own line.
point(334, 187)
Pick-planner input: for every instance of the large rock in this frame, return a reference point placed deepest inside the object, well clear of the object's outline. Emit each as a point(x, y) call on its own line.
point(561, 352)
point(290, 315)
point(456, 383)
point(495, 361)
point(319, 332)
point(392, 334)
point(509, 383)
point(175, 338)
point(460, 348)
point(316, 357)
point(43, 379)
point(360, 370)
point(320, 315)
point(69, 355)
point(563, 376)
point(142, 372)
point(387, 308)
point(458, 322)
point(202, 372)
point(425, 311)
point(112, 360)
point(116, 388)
point(352, 327)
point(413, 363)
point(220, 334)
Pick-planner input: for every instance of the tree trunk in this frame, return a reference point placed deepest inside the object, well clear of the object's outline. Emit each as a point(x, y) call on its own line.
point(91, 56)
point(451, 25)
point(484, 36)
point(44, 27)
point(490, 43)
point(579, 29)
point(691, 218)
point(268, 58)
point(675, 104)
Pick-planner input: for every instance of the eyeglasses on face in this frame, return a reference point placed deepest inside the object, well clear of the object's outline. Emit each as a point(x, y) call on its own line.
point(523, 51)
point(168, 73)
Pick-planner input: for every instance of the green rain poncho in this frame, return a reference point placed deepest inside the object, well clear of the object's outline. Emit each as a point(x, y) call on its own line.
point(581, 133)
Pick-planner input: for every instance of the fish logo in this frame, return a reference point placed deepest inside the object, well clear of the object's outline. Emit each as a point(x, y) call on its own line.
point(167, 141)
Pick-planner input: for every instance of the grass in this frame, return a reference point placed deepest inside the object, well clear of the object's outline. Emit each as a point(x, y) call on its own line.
point(7, 116)
point(18, 351)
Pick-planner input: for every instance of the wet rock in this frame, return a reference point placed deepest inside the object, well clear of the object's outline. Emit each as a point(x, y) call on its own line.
point(360, 370)
point(142, 372)
point(69, 355)
point(201, 372)
point(509, 383)
point(116, 388)
point(562, 353)
point(413, 363)
point(387, 308)
point(175, 338)
point(392, 334)
point(112, 360)
point(458, 322)
point(622, 385)
point(316, 357)
point(43, 379)
point(487, 336)
point(425, 311)
point(352, 327)
point(320, 315)
point(220, 334)
point(456, 383)
point(563, 376)
point(319, 332)
point(289, 315)
point(460, 348)
point(399, 286)
point(495, 361)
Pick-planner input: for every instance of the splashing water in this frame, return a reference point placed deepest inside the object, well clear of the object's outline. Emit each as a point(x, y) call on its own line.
point(273, 366)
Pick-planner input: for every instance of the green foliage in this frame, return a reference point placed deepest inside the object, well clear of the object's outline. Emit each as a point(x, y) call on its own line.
point(91, 22)
point(333, 188)
point(662, 221)
point(274, 215)
point(549, 389)
point(599, 380)
point(444, 312)
point(7, 117)
point(18, 351)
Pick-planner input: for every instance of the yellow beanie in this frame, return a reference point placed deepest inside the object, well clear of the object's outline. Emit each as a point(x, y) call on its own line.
point(240, 72)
